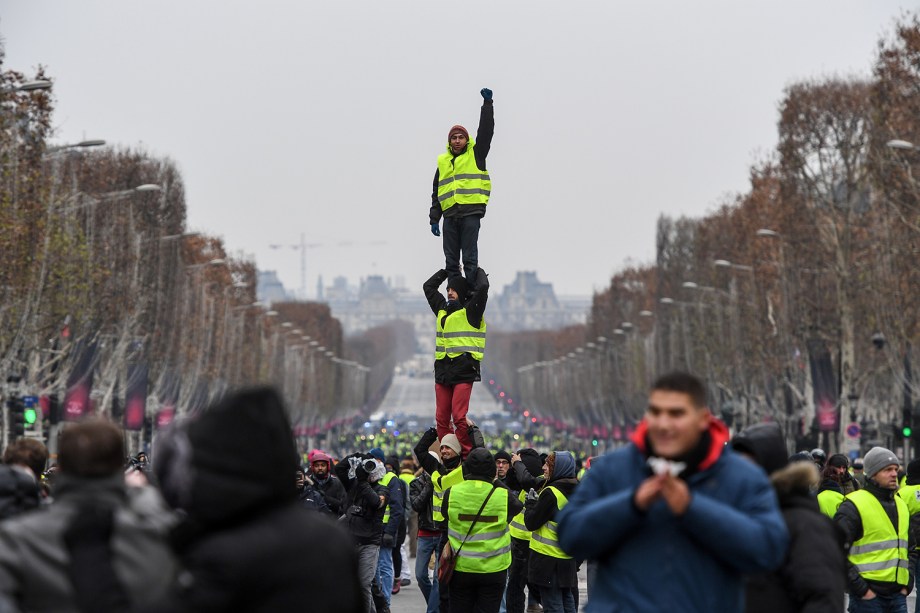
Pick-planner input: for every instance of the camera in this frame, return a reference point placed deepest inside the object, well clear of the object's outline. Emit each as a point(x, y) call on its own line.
point(369, 466)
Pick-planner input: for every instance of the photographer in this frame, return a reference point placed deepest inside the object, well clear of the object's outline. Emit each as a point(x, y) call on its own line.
point(364, 506)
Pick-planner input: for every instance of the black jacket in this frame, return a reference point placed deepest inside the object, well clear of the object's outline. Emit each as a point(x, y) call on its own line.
point(849, 519)
point(812, 578)
point(542, 569)
point(363, 515)
point(421, 492)
point(333, 492)
point(481, 150)
point(464, 368)
point(247, 544)
point(18, 492)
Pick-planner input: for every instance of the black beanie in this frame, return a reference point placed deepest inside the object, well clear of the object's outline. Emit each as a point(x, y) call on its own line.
point(459, 285)
point(838, 460)
point(502, 455)
point(913, 472)
point(480, 463)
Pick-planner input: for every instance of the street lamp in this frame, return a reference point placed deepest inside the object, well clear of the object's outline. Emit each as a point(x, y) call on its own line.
point(902, 144)
point(689, 285)
point(83, 144)
point(30, 86)
point(666, 300)
point(767, 233)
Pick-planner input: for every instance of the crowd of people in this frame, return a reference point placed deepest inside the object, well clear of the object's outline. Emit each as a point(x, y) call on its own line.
point(227, 518)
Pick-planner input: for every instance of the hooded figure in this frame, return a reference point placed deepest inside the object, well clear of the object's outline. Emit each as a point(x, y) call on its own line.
point(556, 573)
point(812, 576)
point(245, 535)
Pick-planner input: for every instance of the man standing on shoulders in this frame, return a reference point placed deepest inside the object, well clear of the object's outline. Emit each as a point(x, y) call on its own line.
point(675, 520)
point(461, 192)
point(883, 555)
point(459, 349)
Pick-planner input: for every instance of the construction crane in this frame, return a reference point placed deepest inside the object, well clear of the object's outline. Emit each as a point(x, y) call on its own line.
point(303, 245)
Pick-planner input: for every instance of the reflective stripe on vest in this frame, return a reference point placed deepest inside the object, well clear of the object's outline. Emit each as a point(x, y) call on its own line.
point(385, 481)
point(881, 553)
point(441, 484)
point(516, 526)
point(829, 501)
point(456, 336)
point(488, 548)
point(545, 540)
point(459, 179)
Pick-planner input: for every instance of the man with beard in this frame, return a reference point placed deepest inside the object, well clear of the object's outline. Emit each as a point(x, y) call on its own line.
point(326, 483)
point(675, 519)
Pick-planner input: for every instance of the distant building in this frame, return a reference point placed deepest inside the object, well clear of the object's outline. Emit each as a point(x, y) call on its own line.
point(269, 288)
point(524, 304)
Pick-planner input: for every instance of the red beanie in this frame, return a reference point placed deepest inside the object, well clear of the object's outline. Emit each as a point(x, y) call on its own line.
point(458, 128)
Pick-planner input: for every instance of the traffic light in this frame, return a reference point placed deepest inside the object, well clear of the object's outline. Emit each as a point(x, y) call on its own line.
point(30, 416)
point(17, 416)
point(594, 442)
point(906, 431)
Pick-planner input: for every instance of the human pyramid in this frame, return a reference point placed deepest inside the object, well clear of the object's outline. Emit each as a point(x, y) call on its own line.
point(460, 193)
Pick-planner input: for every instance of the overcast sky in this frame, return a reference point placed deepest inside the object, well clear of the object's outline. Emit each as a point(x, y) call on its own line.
point(326, 117)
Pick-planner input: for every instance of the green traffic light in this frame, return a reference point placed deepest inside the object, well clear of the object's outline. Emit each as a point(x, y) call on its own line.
point(906, 431)
point(30, 416)
point(594, 442)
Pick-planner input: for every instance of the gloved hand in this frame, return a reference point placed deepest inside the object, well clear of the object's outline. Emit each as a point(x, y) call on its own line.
point(435, 229)
point(486, 93)
point(388, 540)
point(532, 495)
point(360, 474)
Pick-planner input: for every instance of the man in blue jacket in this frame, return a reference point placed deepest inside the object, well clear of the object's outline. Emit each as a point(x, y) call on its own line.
point(675, 519)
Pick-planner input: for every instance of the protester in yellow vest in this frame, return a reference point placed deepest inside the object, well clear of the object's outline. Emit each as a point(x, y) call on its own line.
point(830, 491)
point(550, 568)
point(484, 544)
point(461, 192)
point(460, 344)
point(882, 555)
point(526, 469)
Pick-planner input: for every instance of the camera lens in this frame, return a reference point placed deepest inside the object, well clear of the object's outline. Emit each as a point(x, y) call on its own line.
point(370, 466)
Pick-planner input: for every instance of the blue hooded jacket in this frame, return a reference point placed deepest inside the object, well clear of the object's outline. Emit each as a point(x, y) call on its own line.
point(655, 561)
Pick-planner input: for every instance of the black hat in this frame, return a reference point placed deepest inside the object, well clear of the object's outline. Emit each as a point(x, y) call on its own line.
point(838, 460)
point(459, 285)
point(913, 472)
point(502, 455)
point(480, 463)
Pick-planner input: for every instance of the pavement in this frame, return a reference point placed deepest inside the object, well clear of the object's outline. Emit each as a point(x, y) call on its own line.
point(414, 397)
point(410, 599)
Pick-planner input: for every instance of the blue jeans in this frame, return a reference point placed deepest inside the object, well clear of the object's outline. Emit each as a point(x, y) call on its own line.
point(558, 600)
point(461, 234)
point(426, 546)
point(895, 603)
point(385, 572)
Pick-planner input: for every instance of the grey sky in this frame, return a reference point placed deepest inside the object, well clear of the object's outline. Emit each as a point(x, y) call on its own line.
point(326, 117)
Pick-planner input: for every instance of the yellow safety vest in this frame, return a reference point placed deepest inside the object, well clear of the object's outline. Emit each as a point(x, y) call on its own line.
point(516, 526)
point(441, 484)
point(407, 478)
point(881, 553)
point(385, 481)
point(456, 336)
point(545, 540)
point(910, 494)
point(488, 547)
point(459, 179)
point(829, 501)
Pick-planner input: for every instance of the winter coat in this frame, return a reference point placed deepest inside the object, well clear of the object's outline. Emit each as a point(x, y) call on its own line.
point(364, 509)
point(34, 560)
point(481, 151)
point(653, 561)
point(18, 492)
point(544, 570)
point(312, 499)
point(812, 578)
point(464, 368)
point(849, 519)
point(421, 492)
point(333, 493)
point(247, 543)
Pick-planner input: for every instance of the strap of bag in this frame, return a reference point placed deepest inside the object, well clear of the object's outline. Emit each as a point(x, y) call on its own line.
point(468, 532)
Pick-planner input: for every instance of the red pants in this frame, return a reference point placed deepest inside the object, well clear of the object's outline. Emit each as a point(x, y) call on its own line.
point(452, 402)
